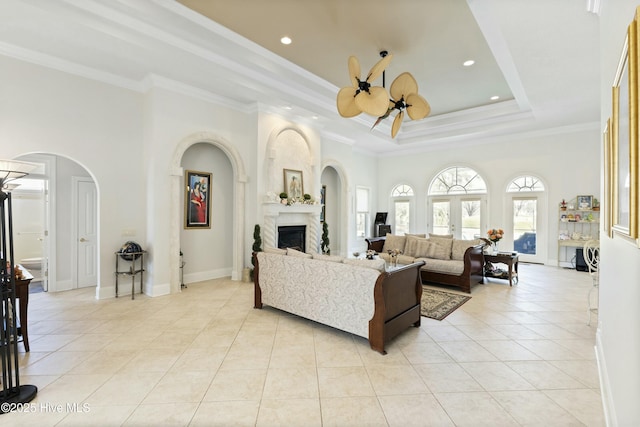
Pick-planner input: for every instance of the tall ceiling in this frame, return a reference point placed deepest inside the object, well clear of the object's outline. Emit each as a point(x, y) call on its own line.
point(541, 58)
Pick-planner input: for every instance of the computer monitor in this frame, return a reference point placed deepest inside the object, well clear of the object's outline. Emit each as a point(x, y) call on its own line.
point(381, 218)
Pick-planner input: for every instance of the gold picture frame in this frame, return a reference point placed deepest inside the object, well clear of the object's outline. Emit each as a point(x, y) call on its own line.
point(624, 150)
point(607, 204)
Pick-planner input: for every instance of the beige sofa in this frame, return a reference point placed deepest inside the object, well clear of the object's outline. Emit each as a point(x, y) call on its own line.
point(356, 296)
point(446, 260)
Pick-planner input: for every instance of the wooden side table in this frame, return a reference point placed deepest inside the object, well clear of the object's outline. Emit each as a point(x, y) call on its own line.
point(22, 294)
point(508, 259)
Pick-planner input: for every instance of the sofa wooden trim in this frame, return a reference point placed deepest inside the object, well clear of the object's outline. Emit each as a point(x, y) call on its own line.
point(397, 296)
point(472, 274)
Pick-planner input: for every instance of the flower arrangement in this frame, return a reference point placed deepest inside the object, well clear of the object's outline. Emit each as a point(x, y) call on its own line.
point(495, 234)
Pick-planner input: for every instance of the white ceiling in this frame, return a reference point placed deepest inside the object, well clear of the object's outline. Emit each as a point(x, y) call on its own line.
point(541, 57)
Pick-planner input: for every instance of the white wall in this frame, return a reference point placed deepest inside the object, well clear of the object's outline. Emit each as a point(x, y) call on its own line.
point(97, 125)
point(568, 163)
point(618, 343)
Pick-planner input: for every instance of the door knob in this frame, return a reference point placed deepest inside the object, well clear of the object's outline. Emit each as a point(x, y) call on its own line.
point(82, 239)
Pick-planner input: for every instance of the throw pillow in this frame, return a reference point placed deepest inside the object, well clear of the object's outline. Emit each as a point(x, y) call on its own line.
point(431, 249)
point(377, 264)
point(444, 236)
point(459, 247)
point(294, 252)
point(275, 251)
point(411, 245)
point(415, 235)
point(445, 242)
point(393, 242)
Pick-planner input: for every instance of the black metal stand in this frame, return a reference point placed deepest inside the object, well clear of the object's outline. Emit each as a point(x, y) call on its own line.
point(12, 391)
point(182, 263)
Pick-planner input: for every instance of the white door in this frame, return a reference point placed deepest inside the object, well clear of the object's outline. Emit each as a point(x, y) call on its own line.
point(85, 195)
point(457, 215)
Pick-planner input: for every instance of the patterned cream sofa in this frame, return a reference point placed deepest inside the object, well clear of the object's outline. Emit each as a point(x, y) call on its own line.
point(358, 296)
point(447, 260)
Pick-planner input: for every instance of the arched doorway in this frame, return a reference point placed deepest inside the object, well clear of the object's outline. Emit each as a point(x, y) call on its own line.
point(237, 245)
point(336, 193)
point(69, 250)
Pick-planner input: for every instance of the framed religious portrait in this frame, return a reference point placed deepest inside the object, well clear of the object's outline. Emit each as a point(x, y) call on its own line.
point(293, 184)
point(197, 200)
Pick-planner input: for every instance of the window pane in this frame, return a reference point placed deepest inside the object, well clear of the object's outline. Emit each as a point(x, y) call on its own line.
point(402, 217)
point(362, 200)
point(458, 180)
point(524, 225)
point(361, 224)
point(441, 217)
point(470, 219)
point(525, 183)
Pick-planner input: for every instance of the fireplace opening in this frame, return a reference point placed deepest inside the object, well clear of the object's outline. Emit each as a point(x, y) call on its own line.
point(292, 236)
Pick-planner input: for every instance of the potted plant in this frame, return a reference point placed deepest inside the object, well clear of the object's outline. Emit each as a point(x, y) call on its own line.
point(596, 204)
point(563, 205)
point(257, 245)
point(325, 239)
point(283, 198)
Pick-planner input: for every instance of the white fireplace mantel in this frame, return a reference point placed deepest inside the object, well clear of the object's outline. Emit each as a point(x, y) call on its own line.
point(277, 214)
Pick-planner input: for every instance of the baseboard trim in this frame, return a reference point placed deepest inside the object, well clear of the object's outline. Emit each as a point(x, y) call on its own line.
point(207, 275)
point(605, 388)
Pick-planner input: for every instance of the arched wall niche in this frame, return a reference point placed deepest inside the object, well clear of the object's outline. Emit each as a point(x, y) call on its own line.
point(239, 179)
point(289, 148)
point(337, 216)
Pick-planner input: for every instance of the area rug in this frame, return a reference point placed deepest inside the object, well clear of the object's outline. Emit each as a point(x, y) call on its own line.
point(439, 304)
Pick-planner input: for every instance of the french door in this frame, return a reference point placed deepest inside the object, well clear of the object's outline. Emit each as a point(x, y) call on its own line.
point(457, 215)
point(526, 224)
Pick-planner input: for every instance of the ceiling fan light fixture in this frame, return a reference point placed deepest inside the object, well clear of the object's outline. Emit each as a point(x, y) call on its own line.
point(362, 97)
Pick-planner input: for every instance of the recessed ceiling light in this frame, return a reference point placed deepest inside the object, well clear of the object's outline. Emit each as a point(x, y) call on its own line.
point(468, 63)
point(286, 40)
point(495, 97)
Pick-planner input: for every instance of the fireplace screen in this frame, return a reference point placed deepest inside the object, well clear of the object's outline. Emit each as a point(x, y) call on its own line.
point(292, 236)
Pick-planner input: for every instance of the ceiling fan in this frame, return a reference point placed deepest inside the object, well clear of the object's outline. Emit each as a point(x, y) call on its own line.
point(374, 100)
point(361, 96)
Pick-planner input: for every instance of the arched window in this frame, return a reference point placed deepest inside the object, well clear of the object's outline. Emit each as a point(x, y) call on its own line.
point(402, 196)
point(457, 199)
point(525, 183)
point(402, 190)
point(457, 180)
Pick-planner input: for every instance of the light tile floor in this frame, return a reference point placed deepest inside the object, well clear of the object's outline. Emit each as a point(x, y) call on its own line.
point(508, 357)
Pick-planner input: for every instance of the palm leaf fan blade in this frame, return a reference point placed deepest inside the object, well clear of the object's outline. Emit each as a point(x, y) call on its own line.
point(346, 102)
point(417, 107)
point(374, 103)
point(397, 122)
point(378, 68)
point(403, 85)
point(354, 70)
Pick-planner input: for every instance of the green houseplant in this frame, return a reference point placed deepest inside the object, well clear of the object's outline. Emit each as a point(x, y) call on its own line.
point(325, 239)
point(257, 246)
